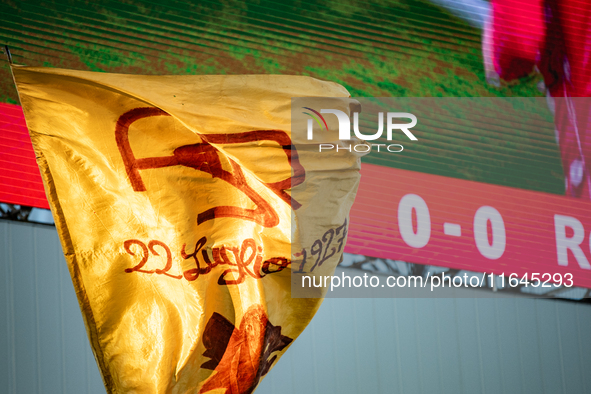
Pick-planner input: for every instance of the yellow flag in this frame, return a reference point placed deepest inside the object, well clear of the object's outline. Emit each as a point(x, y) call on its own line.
point(174, 199)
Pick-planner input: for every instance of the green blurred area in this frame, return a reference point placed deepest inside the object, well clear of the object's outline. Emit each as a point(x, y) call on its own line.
point(380, 49)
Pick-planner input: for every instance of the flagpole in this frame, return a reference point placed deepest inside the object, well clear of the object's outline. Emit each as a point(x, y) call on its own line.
point(8, 54)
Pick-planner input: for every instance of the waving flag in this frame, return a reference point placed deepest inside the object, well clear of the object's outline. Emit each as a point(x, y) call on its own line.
point(172, 196)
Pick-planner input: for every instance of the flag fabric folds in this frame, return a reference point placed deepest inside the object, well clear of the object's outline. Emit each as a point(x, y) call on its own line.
point(173, 200)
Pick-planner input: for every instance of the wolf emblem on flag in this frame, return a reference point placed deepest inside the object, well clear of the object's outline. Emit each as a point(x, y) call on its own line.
point(174, 200)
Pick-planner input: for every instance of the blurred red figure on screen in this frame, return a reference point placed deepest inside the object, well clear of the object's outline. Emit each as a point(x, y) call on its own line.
point(553, 36)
